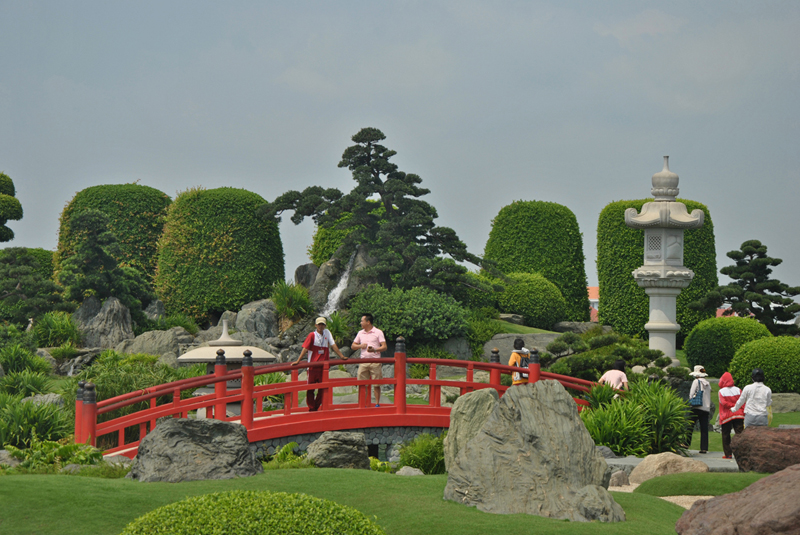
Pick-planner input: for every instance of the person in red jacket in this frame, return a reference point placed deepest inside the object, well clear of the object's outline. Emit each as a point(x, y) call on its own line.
point(317, 344)
point(728, 396)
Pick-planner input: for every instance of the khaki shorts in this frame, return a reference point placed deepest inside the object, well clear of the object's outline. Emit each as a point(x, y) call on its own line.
point(370, 371)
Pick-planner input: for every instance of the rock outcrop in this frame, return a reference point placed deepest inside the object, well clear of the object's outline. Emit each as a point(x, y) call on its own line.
point(340, 449)
point(155, 310)
point(187, 450)
point(106, 328)
point(505, 343)
point(533, 455)
point(259, 318)
point(45, 399)
point(306, 274)
point(766, 449)
point(768, 506)
point(467, 417)
point(661, 464)
point(156, 342)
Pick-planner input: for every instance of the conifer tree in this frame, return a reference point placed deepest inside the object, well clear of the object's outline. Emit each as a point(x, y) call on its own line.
point(10, 208)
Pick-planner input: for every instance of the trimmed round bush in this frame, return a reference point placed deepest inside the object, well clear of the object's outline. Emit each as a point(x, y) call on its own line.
point(10, 207)
point(136, 217)
point(620, 250)
point(216, 254)
point(778, 356)
point(420, 315)
point(544, 238)
point(713, 342)
point(534, 297)
point(254, 513)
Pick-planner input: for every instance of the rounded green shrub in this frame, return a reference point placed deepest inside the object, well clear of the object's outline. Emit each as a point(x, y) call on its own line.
point(10, 207)
point(254, 513)
point(713, 342)
point(778, 356)
point(215, 253)
point(136, 217)
point(534, 297)
point(620, 250)
point(544, 238)
point(419, 315)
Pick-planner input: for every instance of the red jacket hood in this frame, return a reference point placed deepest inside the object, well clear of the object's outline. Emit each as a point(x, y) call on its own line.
point(726, 380)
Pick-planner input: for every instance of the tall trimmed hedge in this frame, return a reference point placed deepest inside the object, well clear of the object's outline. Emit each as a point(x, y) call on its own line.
point(215, 254)
point(713, 342)
point(778, 356)
point(620, 250)
point(537, 299)
point(136, 217)
point(542, 237)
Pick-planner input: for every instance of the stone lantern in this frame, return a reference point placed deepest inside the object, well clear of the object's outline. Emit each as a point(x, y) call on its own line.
point(663, 274)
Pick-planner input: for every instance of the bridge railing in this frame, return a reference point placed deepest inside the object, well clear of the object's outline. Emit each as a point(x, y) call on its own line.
point(258, 412)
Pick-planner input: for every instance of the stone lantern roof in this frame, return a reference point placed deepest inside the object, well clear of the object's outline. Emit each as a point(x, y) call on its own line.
point(234, 350)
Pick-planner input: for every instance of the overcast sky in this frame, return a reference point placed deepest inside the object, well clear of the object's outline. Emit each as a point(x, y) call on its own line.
point(489, 102)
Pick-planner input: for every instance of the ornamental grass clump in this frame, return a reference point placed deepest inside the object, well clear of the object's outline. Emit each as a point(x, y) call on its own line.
point(21, 421)
point(254, 513)
point(56, 328)
point(16, 358)
point(26, 383)
point(425, 452)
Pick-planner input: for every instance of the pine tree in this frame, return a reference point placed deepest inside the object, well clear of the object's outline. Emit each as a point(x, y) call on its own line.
point(753, 292)
point(10, 208)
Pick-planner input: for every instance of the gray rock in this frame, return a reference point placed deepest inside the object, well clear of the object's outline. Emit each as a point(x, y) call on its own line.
point(186, 450)
point(410, 471)
point(516, 319)
point(110, 326)
point(258, 317)
point(606, 452)
point(120, 460)
point(151, 342)
point(169, 359)
point(340, 449)
point(46, 399)
point(505, 343)
point(7, 460)
point(661, 464)
point(306, 274)
point(579, 327)
point(393, 453)
point(467, 417)
point(155, 310)
point(228, 316)
point(43, 353)
point(785, 403)
point(295, 334)
point(619, 479)
point(534, 440)
point(87, 311)
point(183, 336)
point(458, 347)
point(331, 271)
point(85, 357)
point(71, 469)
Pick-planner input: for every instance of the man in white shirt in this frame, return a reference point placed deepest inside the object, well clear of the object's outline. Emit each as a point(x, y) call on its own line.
point(372, 343)
point(756, 398)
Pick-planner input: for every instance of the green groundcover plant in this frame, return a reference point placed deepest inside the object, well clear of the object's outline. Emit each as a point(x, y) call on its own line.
point(425, 452)
point(16, 358)
point(21, 421)
point(254, 513)
point(43, 453)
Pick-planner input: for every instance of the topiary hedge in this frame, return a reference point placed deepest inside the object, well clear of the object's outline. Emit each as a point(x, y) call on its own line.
point(713, 342)
point(620, 250)
point(10, 207)
point(215, 254)
point(534, 297)
point(419, 315)
point(136, 217)
point(778, 356)
point(542, 237)
point(254, 513)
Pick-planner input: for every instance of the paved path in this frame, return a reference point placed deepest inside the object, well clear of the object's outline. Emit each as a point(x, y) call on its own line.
point(713, 459)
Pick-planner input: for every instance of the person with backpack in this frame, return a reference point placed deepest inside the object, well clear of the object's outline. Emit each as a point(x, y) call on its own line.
point(520, 358)
point(700, 401)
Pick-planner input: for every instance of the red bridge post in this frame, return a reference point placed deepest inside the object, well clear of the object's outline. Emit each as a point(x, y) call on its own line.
point(247, 390)
point(534, 367)
point(399, 375)
point(220, 387)
point(89, 414)
point(494, 374)
point(79, 413)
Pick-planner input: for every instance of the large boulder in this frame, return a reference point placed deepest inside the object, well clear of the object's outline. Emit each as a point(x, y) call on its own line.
point(187, 450)
point(110, 326)
point(467, 417)
point(330, 274)
point(45, 399)
point(155, 310)
point(156, 342)
point(768, 506)
point(340, 449)
point(787, 402)
point(259, 318)
point(458, 347)
point(766, 449)
point(533, 455)
point(306, 274)
point(7, 460)
point(661, 464)
point(505, 343)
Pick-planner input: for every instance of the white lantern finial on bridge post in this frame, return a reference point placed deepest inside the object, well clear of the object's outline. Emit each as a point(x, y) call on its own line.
point(663, 274)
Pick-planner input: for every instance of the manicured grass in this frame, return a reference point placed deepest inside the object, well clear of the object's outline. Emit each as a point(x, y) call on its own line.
point(680, 354)
point(708, 484)
point(67, 505)
point(518, 329)
point(714, 441)
point(786, 418)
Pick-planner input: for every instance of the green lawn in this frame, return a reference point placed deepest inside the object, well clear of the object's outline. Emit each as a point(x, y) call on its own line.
point(680, 354)
point(513, 328)
point(67, 505)
point(707, 484)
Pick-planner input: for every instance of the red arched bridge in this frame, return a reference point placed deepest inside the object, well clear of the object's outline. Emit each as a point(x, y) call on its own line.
point(264, 422)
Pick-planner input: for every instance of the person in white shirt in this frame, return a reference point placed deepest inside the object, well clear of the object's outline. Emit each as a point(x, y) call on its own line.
point(701, 412)
point(756, 398)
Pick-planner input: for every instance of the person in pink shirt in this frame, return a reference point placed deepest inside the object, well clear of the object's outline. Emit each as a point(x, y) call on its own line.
point(615, 377)
point(372, 343)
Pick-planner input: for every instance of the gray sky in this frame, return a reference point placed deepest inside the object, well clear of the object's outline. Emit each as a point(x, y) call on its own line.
point(489, 102)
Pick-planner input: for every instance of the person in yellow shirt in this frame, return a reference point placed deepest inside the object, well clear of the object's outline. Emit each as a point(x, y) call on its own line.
point(519, 358)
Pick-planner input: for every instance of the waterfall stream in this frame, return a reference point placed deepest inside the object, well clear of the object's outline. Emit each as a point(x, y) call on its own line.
point(336, 293)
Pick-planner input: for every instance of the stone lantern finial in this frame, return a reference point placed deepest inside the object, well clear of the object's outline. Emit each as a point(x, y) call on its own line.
point(665, 184)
